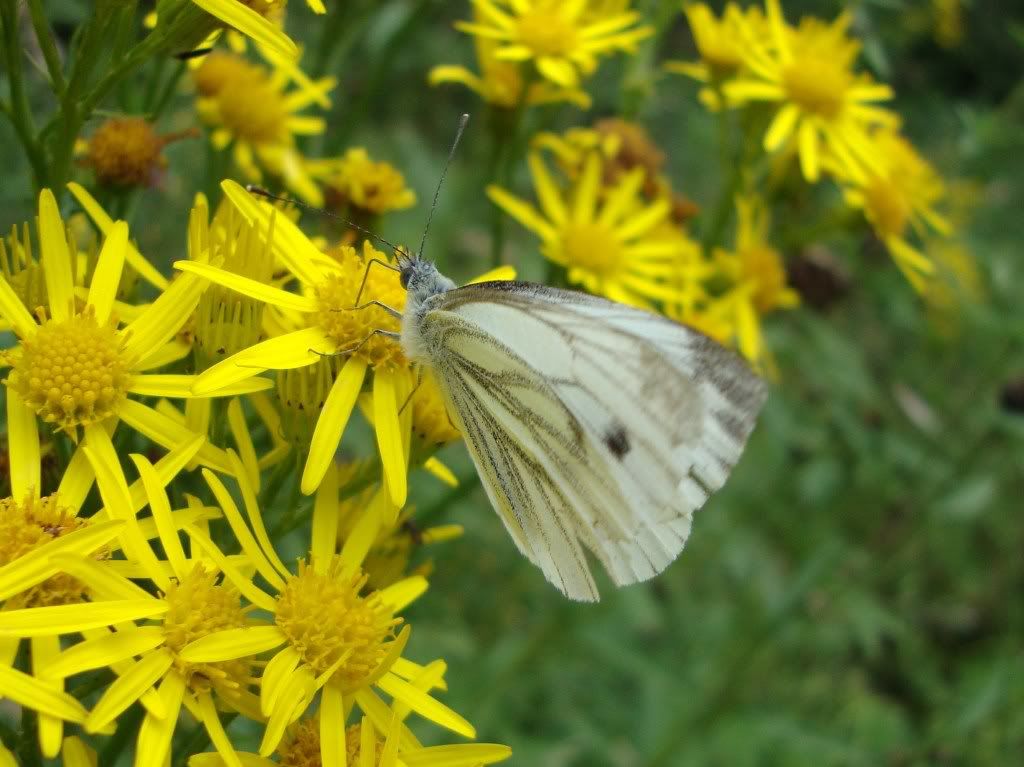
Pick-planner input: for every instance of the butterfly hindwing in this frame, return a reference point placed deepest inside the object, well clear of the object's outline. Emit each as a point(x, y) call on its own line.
point(592, 424)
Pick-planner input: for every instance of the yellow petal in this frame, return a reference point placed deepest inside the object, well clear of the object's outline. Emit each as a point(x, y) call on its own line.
point(242, 534)
point(331, 423)
point(155, 734)
point(103, 580)
point(107, 277)
point(249, 590)
point(332, 728)
point(249, 287)
point(279, 669)
point(522, 212)
point(389, 435)
point(99, 216)
point(75, 753)
point(29, 692)
point(77, 480)
point(292, 350)
point(23, 451)
point(179, 386)
point(400, 595)
point(460, 755)
point(290, 244)
point(104, 651)
point(214, 728)
point(232, 643)
point(14, 311)
point(296, 689)
point(243, 441)
point(161, 510)
point(74, 618)
point(252, 512)
point(164, 317)
point(325, 520)
point(250, 24)
point(167, 432)
point(128, 688)
point(424, 705)
point(498, 274)
point(56, 261)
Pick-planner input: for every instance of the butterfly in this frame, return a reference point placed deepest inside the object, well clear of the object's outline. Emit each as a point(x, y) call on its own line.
point(594, 426)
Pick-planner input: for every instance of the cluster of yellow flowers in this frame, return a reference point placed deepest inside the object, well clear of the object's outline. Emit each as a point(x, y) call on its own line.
point(824, 112)
point(157, 449)
point(135, 579)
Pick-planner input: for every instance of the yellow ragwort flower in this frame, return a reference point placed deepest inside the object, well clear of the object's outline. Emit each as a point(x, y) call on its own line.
point(255, 111)
point(900, 197)
point(719, 41)
point(756, 278)
point(355, 179)
point(76, 368)
point(503, 83)
point(557, 36)
point(608, 240)
point(824, 107)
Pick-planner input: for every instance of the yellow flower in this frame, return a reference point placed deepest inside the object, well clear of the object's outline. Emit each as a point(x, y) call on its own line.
point(330, 323)
point(354, 179)
point(331, 637)
point(609, 243)
point(253, 109)
point(75, 368)
point(823, 106)
point(757, 280)
point(502, 83)
point(55, 576)
point(900, 197)
point(720, 41)
point(562, 42)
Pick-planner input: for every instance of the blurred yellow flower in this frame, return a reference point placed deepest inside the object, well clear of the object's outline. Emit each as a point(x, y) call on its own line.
point(558, 36)
point(756, 278)
point(357, 180)
point(607, 239)
point(823, 106)
point(185, 23)
point(900, 196)
point(253, 110)
point(720, 41)
point(502, 83)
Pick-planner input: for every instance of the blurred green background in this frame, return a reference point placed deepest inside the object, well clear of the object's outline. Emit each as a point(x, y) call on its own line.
point(854, 596)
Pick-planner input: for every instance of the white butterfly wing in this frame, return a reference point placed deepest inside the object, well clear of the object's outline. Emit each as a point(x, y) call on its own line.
point(592, 425)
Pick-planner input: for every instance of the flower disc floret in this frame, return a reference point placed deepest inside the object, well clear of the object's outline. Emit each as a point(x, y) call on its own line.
point(329, 623)
point(220, 71)
point(126, 152)
point(73, 372)
point(546, 32)
point(25, 526)
point(593, 247)
point(818, 83)
point(200, 606)
point(350, 327)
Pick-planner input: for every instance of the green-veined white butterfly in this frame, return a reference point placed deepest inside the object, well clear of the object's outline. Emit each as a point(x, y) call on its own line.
point(593, 425)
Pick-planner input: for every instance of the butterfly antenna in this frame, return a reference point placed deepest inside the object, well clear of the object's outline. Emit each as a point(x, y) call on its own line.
point(400, 251)
point(444, 172)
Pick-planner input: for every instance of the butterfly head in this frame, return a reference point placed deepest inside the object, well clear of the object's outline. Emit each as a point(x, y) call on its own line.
point(421, 279)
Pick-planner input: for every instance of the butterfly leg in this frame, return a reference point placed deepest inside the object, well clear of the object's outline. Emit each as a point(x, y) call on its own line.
point(352, 350)
point(419, 380)
point(366, 273)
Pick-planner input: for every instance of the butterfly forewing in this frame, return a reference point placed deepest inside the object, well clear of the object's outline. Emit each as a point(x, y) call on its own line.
point(592, 424)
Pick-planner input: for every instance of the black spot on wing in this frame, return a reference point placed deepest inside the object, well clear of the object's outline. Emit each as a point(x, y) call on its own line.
point(616, 439)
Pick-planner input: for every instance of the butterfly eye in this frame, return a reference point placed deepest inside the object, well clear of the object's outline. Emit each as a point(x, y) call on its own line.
point(404, 275)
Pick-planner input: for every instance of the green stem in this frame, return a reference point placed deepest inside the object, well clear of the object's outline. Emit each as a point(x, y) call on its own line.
point(20, 114)
point(49, 48)
point(161, 102)
point(28, 746)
